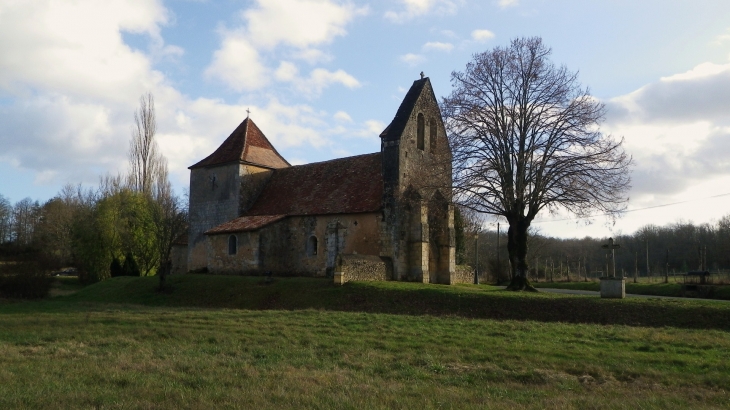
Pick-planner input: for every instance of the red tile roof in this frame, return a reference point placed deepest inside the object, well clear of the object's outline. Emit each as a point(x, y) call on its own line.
point(345, 185)
point(245, 144)
point(244, 223)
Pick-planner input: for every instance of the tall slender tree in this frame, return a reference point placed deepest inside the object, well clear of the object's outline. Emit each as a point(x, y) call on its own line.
point(525, 138)
point(147, 166)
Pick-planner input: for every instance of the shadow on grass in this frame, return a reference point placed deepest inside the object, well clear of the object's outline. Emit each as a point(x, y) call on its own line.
point(471, 301)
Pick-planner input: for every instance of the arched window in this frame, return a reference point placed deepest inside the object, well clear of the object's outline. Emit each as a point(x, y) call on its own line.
point(312, 246)
point(432, 134)
point(232, 244)
point(421, 131)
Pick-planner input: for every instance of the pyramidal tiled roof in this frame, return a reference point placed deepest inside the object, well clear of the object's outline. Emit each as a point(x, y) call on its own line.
point(245, 144)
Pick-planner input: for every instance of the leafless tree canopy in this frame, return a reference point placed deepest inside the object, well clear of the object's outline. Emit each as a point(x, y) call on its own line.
point(148, 168)
point(524, 137)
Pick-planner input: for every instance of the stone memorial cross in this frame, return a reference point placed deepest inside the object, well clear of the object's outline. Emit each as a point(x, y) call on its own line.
point(612, 246)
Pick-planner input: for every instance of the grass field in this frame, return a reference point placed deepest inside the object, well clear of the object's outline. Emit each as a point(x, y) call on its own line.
point(235, 342)
point(721, 292)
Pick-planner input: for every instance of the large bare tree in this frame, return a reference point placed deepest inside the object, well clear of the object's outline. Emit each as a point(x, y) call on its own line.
point(525, 138)
point(148, 167)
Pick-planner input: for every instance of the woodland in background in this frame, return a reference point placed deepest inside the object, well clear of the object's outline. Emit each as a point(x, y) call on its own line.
point(675, 248)
point(125, 226)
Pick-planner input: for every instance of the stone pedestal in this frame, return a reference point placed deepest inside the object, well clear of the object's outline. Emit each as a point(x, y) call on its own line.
point(339, 278)
point(614, 288)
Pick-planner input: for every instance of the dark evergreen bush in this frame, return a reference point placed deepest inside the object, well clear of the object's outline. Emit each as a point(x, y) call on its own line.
point(130, 266)
point(116, 269)
point(27, 282)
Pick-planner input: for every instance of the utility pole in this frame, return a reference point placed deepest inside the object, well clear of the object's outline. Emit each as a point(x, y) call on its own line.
point(666, 269)
point(636, 266)
point(648, 271)
point(578, 280)
point(561, 267)
point(476, 258)
point(499, 265)
point(552, 268)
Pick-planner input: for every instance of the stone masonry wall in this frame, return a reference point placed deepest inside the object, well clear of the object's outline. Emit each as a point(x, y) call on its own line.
point(465, 274)
point(245, 260)
point(282, 247)
point(179, 258)
point(218, 194)
point(408, 167)
point(364, 268)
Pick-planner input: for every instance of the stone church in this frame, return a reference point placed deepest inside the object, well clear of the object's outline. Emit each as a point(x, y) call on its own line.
point(381, 216)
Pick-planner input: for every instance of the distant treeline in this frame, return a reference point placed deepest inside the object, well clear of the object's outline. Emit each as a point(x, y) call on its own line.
point(652, 251)
point(93, 230)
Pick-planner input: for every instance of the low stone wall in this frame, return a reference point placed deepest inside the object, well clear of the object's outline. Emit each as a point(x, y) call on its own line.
point(465, 274)
point(363, 268)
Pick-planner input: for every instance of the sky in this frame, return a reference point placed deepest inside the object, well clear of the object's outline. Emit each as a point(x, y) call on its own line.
point(322, 79)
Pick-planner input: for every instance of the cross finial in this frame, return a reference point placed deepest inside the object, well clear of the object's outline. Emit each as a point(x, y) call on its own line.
point(248, 113)
point(422, 75)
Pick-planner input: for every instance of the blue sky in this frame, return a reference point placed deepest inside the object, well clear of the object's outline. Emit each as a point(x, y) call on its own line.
point(322, 78)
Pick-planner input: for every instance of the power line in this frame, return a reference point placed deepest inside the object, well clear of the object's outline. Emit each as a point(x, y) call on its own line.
point(635, 210)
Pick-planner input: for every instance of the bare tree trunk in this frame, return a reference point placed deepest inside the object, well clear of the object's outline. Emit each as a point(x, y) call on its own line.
point(517, 247)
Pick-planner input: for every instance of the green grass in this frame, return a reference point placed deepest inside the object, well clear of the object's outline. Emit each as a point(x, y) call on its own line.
point(235, 342)
point(641, 288)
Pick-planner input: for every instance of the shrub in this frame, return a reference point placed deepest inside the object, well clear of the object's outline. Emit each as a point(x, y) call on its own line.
point(116, 269)
point(130, 267)
point(28, 282)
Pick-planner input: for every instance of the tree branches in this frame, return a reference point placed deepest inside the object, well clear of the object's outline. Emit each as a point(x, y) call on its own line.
point(147, 166)
point(524, 137)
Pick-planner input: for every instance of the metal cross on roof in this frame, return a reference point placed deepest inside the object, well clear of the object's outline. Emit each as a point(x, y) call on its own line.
point(248, 112)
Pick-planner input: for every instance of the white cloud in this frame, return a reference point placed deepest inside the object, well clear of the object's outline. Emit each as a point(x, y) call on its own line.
point(482, 35)
point(412, 59)
point(700, 71)
point(415, 8)
point(449, 34)
point(698, 94)
point(320, 78)
point(298, 26)
point(677, 130)
point(342, 116)
point(286, 71)
point(299, 23)
point(438, 46)
point(374, 127)
point(723, 38)
point(312, 56)
point(82, 43)
point(69, 86)
point(238, 64)
point(503, 4)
